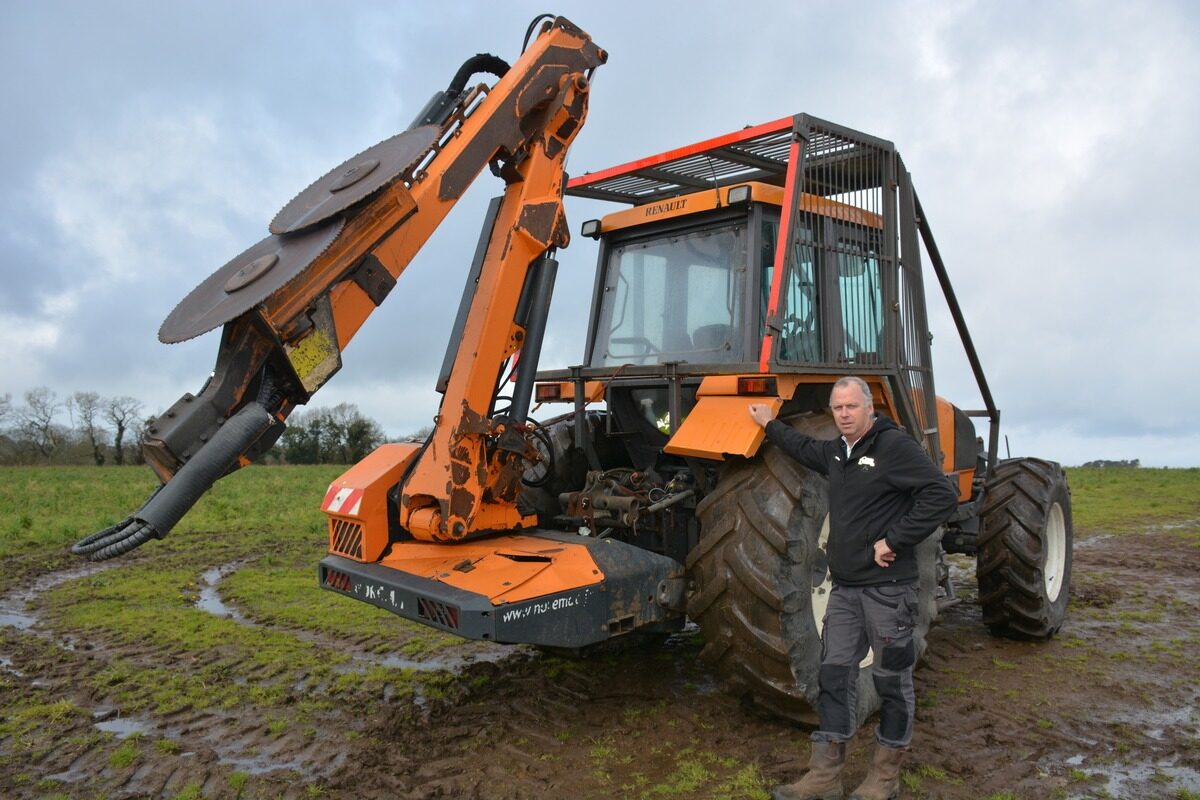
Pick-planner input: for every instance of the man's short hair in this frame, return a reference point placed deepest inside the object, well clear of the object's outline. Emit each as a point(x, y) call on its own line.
point(854, 380)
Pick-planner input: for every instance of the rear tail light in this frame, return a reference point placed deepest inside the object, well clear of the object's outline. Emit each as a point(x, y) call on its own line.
point(547, 392)
point(753, 385)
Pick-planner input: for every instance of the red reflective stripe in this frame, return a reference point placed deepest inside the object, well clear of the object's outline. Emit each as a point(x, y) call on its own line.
point(352, 503)
point(342, 500)
point(329, 495)
point(682, 152)
point(781, 245)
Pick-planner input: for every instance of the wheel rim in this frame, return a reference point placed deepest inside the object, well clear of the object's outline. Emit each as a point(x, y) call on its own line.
point(1056, 552)
point(822, 586)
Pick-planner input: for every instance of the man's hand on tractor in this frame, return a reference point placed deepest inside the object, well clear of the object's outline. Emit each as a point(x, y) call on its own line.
point(761, 413)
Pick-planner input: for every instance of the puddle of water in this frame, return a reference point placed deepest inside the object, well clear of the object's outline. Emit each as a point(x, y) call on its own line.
point(1187, 524)
point(449, 663)
point(124, 727)
point(70, 775)
point(1125, 780)
point(258, 765)
point(13, 606)
point(6, 666)
point(210, 599)
point(228, 752)
point(11, 618)
point(1155, 723)
point(1089, 541)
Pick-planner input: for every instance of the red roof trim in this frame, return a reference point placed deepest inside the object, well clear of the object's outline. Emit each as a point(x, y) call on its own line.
point(775, 126)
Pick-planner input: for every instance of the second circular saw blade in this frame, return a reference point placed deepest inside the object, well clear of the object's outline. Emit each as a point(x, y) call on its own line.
point(354, 180)
point(246, 281)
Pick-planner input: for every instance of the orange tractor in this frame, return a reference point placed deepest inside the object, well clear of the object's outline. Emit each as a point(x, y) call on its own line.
point(759, 266)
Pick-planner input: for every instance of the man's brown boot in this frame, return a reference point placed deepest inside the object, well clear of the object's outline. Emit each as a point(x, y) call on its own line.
point(823, 781)
point(883, 779)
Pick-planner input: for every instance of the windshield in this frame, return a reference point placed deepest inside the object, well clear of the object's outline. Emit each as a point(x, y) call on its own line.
point(677, 298)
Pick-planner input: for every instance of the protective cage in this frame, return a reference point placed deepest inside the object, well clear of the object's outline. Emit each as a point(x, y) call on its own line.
point(846, 292)
point(868, 312)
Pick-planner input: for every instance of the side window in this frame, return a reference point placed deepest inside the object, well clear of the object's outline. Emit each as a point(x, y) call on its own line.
point(800, 337)
point(862, 302)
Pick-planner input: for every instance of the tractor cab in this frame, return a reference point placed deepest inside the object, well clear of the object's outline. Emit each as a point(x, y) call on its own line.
point(765, 263)
point(695, 288)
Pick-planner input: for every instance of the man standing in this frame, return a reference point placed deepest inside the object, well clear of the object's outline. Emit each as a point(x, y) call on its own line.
point(885, 497)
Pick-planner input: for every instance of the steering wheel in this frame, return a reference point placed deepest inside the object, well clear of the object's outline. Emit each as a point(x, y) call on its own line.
point(648, 347)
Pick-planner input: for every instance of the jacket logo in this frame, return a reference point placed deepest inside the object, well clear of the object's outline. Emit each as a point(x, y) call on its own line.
point(866, 461)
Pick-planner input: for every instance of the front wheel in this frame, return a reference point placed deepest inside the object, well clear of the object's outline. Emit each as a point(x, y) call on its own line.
point(1024, 560)
point(762, 581)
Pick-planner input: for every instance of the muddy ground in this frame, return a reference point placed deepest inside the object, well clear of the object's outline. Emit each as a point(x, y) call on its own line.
point(1109, 708)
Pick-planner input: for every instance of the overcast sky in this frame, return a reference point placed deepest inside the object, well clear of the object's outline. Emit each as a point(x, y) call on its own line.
point(1054, 147)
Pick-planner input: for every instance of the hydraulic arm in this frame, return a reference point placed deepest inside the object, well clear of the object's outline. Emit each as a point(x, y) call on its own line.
point(291, 303)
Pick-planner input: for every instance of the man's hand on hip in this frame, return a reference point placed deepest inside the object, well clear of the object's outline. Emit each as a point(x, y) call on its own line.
point(884, 555)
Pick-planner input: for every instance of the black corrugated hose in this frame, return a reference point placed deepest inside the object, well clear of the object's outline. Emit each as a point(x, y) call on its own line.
point(171, 501)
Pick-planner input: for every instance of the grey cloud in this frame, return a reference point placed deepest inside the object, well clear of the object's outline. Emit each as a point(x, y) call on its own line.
point(1051, 144)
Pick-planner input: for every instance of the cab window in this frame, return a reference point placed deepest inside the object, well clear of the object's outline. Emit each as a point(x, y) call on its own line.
point(674, 298)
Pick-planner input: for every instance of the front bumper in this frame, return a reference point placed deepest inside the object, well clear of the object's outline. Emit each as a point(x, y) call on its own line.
point(636, 590)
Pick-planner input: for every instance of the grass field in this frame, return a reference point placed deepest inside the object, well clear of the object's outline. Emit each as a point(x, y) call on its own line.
point(285, 667)
point(282, 663)
point(46, 508)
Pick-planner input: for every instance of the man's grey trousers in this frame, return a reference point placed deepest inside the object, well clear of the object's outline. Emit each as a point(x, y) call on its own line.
point(879, 618)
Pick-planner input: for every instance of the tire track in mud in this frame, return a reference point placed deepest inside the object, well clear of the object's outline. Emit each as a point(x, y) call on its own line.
point(539, 727)
point(995, 715)
point(1038, 718)
point(206, 745)
point(468, 652)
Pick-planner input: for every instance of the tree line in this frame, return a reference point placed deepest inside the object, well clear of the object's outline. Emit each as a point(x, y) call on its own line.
point(87, 428)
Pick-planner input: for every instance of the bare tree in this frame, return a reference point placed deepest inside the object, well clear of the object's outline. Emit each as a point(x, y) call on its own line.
point(6, 409)
point(121, 412)
point(88, 406)
point(36, 421)
point(138, 431)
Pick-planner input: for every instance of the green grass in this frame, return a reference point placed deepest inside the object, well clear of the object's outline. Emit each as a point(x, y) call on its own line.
point(54, 506)
point(282, 502)
point(124, 755)
point(1127, 500)
point(689, 771)
point(31, 717)
point(266, 518)
point(288, 669)
point(278, 590)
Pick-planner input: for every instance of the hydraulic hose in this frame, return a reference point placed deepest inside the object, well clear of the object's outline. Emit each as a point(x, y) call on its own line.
point(171, 501)
point(481, 62)
point(441, 106)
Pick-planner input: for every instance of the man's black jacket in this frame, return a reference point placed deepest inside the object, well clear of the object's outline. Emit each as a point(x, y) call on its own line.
point(886, 489)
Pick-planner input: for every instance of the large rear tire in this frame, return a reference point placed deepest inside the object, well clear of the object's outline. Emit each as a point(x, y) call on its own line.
point(1024, 560)
point(762, 581)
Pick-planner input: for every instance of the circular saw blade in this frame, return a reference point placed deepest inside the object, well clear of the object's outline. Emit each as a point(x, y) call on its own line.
point(246, 281)
point(354, 180)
